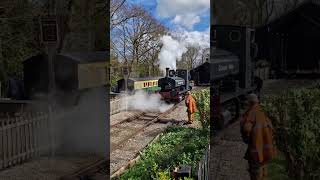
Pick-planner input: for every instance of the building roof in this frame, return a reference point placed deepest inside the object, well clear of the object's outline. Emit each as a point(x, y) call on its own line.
point(308, 10)
point(78, 57)
point(202, 65)
point(87, 57)
point(143, 79)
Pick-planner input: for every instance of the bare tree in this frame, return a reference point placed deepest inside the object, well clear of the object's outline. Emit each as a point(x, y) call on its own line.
point(205, 55)
point(286, 5)
point(259, 11)
point(120, 12)
point(136, 37)
point(244, 12)
point(191, 57)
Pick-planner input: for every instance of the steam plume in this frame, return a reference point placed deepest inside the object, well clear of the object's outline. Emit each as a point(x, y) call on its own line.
point(145, 102)
point(171, 51)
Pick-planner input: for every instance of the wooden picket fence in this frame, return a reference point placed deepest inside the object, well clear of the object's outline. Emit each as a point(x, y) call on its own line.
point(115, 106)
point(23, 138)
point(203, 167)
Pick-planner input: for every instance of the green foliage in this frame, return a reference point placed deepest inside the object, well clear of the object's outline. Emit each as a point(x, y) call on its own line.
point(203, 104)
point(295, 116)
point(177, 146)
point(277, 169)
point(17, 37)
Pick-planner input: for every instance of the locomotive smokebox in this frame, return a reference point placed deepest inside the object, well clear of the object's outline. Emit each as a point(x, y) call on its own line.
point(167, 72)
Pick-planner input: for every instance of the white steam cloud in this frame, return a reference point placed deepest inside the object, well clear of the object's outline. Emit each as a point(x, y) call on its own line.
point(171, 51)
point(145, 102)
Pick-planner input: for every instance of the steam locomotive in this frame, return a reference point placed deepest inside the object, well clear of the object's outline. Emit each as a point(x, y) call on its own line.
point(174, 85)
point(231, 71)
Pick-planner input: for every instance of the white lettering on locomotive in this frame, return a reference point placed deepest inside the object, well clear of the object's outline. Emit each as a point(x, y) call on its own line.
point(222, 68)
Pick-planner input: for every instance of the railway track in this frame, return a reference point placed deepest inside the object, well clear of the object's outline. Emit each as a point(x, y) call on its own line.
point(126, 120)
point(132, 126)
point(100, 170)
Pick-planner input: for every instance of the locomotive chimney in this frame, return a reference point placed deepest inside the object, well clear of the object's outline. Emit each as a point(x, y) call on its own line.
point(167, 72)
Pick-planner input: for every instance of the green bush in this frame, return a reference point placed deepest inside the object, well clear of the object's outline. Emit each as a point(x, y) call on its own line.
point(295, 116)
point(203, 104)
point(177, 146)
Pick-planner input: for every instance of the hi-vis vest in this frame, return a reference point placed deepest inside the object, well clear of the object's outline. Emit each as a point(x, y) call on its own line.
point(261, 146)
point(191, 104)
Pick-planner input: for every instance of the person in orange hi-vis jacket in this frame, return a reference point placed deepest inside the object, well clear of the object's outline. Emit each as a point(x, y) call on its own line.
point(257, 132)
point(191, 106)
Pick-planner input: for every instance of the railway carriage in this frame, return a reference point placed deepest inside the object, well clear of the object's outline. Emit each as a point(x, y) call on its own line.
point(149, 84)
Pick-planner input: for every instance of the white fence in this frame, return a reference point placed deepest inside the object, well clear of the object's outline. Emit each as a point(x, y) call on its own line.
point(203, 167)
point(22, 138)
point(115, 106)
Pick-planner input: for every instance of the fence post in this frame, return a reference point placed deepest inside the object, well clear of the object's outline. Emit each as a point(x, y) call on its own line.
point(51, 130)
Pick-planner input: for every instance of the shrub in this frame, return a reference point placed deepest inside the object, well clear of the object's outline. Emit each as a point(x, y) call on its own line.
point(203, 104)
point(295, 116)
point(177, 146)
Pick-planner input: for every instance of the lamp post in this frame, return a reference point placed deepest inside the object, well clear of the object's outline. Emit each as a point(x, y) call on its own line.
point(125, 72)
point(49, 37)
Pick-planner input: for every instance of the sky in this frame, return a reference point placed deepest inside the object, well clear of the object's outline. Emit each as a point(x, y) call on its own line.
point(188, 15)
point(189, 25)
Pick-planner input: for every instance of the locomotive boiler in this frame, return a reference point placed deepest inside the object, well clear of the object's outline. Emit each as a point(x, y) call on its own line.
point(174, 85)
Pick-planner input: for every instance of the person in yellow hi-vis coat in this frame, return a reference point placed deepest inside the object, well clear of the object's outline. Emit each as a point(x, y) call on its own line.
point(191, 106)
point(257, 132)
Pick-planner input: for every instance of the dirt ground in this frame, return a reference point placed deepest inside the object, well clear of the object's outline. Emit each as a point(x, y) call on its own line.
point(227, 151)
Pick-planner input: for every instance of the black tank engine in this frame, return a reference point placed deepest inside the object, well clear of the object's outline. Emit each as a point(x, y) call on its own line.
point(174, 85)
